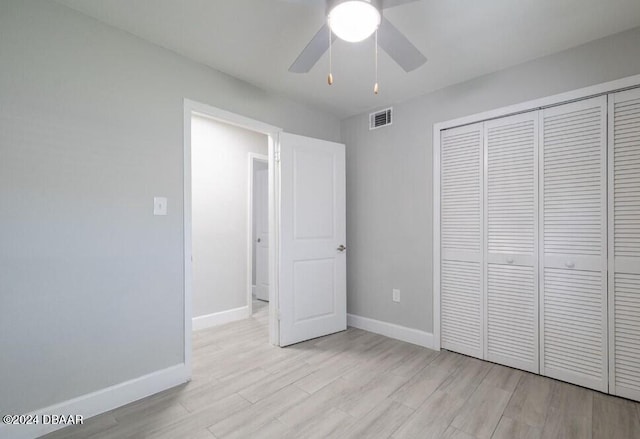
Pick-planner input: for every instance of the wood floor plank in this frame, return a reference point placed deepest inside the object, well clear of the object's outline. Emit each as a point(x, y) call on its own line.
point(420, 387)
point(326, 372)
point(276, 364)
point(570, 412)
point(454, 433)
point(380, 422)
point(330, 396)
point(530, 401)
point(432, 418)
point(207, 395)
point(245, 422)
point(482, 411)
point(448, 360)
point(614, 418)
point(356, 384)
point(197, 421)
point(369, 395)
point(509, 428)
point(274, 429)
point(391, 355)
point(328, 424)
point(466, 377)
point(503, 377)
point(135, 419)
point(272, 383)
point(417, 360)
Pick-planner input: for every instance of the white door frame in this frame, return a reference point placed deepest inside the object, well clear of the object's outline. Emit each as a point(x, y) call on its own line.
point(273, 133)
point(253, 157)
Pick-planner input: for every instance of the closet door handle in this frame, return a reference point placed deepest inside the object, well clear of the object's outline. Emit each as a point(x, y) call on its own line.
point(570, 264)
point(510, 260)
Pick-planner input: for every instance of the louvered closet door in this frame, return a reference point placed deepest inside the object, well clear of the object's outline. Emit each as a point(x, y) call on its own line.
point(624, 243)
point(461, 240)
point(574, 246)
point(511, 156)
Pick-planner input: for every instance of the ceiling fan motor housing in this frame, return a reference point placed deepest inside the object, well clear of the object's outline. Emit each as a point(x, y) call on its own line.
point(375, 3)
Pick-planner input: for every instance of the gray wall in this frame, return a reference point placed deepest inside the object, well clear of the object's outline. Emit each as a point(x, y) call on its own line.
point(220, 188)
point(257, 166)
point(389, 173)
point(91, 283)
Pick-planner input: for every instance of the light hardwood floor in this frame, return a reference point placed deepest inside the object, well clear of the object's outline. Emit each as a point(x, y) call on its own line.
point(356, 384)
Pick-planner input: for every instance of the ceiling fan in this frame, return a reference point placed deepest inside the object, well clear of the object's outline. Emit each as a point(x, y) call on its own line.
point(356, 20)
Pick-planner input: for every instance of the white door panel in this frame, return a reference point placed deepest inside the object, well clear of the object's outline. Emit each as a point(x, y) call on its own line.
point(313, 229)
point(511, 178)
point(624, 243)
point(262, 234)
point(461, 297)
point(573, 261)
point(573, 278)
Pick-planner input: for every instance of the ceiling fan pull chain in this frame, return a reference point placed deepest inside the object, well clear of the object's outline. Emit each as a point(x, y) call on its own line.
point(375, 87)
point(330, 77)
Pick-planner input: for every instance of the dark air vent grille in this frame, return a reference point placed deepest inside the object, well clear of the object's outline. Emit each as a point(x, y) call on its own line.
point(380, 119)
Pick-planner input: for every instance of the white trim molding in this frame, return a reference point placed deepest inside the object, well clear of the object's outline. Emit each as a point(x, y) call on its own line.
point(391, 330)
point(101, 401)
point(220, 318)
point(549, 101)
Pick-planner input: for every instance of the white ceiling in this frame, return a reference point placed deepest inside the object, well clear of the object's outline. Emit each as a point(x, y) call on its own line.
point(257, 40)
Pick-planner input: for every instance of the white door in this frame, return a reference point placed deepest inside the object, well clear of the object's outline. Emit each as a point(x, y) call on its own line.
point(511, 221)
point(573, 216)
point(312, 281)
point(624, 243)
point(262, 233)
point(461, 238)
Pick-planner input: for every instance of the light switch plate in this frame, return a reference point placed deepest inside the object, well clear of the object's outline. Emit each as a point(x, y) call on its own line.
point(159, 205)
point(396, 295)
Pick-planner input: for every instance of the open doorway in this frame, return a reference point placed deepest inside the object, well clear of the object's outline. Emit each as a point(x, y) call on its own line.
point(229, 219)
point(259, 168)
point(223, 158)
point(306, 234)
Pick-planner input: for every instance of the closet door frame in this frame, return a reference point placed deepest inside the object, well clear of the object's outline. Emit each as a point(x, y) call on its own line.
point(611, 270)
point(531, 105)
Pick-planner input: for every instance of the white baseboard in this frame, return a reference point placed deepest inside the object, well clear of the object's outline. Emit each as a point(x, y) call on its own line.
point(415, 336)
point(101, 401)
point(220, 318)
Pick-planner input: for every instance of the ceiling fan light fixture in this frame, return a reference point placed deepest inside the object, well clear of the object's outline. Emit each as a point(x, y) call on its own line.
point(354, 20)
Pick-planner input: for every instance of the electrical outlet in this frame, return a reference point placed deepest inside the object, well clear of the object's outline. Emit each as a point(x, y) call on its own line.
point(159, 205)
point(396, 295)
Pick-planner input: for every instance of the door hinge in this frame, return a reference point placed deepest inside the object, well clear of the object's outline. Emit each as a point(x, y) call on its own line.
point(277, 154)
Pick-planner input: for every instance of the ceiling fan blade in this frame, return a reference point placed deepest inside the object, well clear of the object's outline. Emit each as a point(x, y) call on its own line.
point(393, 3)
point(392, 41)
point(314, 50)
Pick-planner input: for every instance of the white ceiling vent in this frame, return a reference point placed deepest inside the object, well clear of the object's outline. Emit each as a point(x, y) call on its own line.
point(380, 118)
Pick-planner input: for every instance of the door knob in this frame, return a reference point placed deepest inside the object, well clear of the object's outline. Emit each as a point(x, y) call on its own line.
point(341, 248)
point(510, 260)
point(570, 264)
